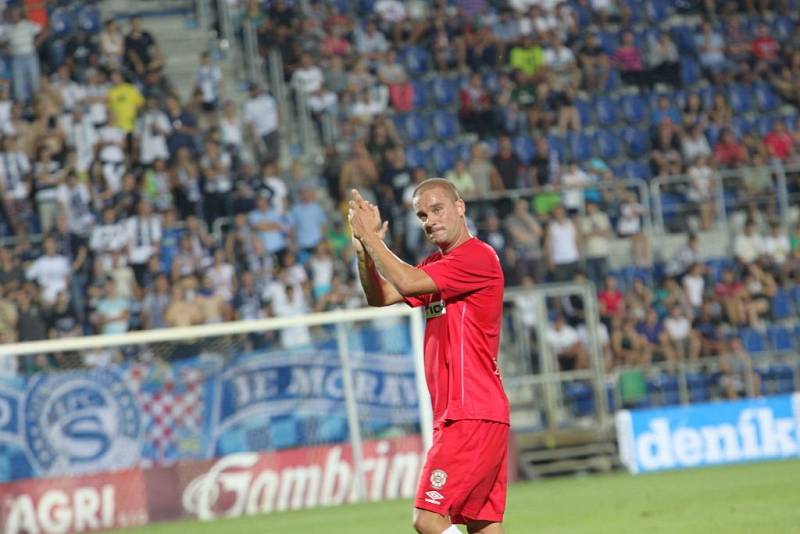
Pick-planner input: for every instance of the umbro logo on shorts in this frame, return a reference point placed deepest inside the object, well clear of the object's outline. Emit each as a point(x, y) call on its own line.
point(435, 309)
point(434, 497)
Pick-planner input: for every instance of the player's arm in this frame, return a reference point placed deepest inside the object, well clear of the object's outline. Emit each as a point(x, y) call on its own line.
point(379, 292)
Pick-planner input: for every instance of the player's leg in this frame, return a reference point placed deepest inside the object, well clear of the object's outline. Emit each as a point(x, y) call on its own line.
point(484, 527)
point(427, 522)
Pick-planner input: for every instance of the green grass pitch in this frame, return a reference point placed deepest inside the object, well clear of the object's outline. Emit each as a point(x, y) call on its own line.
point(749, 498)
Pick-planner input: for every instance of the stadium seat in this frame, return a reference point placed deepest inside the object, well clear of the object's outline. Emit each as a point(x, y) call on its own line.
point(524, 148)
point(444, 90)
point(683, 36)
point(741, 126)
point(657, 10)
point(780, 338)
point(610, 42)
point(690, 71)
point(61, 22)
point(783, 375)
point(581, 397)
point(634, 109)
point(415, 127)
point(706, 93)
point(699, 385)
point(636, 170)
point(762, 125)
point(794, 293)
point(585, 111)
point(492, 145)
point(753, 340)
point(766, 98)
point(416, 156)
point(463, 150)
point(606, 110)
point(416, 59)
point(781, 305)
point(491, 81)
point(782, 28)
point(445, 125)
point(89, 19)
point(740, 97)
point(559, 144)
point(580, 145)
point(662, 390)
point(420, 94)
point(608, 144)
point(443, 156)
point(637, 142)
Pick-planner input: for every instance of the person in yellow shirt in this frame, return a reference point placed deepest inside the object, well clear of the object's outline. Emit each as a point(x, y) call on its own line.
point(527, 57)
point(124, 101)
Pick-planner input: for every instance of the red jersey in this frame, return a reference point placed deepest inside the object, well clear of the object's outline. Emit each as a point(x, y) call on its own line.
point(462, 333)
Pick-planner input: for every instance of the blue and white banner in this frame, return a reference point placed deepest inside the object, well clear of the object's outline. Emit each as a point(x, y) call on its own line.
point(144, 414)
point(766, 428)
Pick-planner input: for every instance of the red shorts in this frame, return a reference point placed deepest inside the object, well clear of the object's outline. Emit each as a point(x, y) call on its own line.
point(466, 472)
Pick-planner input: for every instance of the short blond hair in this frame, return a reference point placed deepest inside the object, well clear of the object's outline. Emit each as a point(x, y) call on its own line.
point(432, 183)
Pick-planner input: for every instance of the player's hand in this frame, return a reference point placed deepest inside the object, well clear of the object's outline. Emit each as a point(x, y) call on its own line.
point(365, 218)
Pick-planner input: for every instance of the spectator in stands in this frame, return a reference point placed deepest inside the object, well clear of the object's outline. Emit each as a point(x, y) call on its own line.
point(595, 63)
point(565, 345)
point(308, 77)
point(695, 144)
point(394, 76)
point(561, 246)
point(703, 191)
point(527, 57)
point(113, 311)
point(155, 303)
point(736, 367)
point(629, 224)
point(475, 107)
point(728, 151)
point(732, 294)
point(630, 348)
point(51, 271)
point(683, 341)
point(15, 169)
point(309, 221)
point(662, 60)
point(711, 51)
point(777, 246)
point(112, 45)
point(271, 227)
point(208, 79)
point(655, 335)
point(142, 54)
point(693, 283)
point(24, 36)
point(628, 58)
point(507, 164)
point(483, 172)
point(766, 51)
point(779, 142)
point(665, 111)
point(562, 66)
point(262, 120)
point(595, 229)
point(124, 101)
point(666, 150)
point(749, 245)
point(9, 315)
point(183, 310)
point(525, 234)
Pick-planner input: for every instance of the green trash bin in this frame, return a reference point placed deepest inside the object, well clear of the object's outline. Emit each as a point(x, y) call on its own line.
point(632, 388)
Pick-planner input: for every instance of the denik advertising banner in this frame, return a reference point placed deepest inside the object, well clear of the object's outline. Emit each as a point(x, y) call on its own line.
point(145, 415)
point(765, 428)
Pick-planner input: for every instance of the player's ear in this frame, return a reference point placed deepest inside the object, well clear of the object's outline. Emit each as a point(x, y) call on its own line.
point(461, 207)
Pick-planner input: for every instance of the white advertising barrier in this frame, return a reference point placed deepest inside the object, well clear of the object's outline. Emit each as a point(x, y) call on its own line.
point(766, 428)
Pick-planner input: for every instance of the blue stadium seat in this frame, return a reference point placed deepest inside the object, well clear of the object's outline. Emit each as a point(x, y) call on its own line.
point(420, 94)
point(782, 28)
point(415, 127)
point(741, 98)
point(741, 126)
point(585, 111)
point(634, 109)
point(690, 71)
point(606, 110)
point(524, 148)
point(444, 90)
point(783, 375)
point(416, 156)
point(662, 390)
point(716, 266)
point(416, 59)
point(683, 36)
point(753, 340)
point(610, 41)
point(780, 338)
point(636, 169)
point(445, 125)
point(707, 93)
point(559, 144)
point(781, 305)
point(492, 146)
point(580, 396)
point(580, 145)
point(657, 10)
point(762, 125)
point(766, 98)
point(608, 144)
point(89, 19)
point(463, 150)
point(794, 293)
point(61, 22)
point(443, 156)
point(637, 142)
point(491, 81)
point(699, 385)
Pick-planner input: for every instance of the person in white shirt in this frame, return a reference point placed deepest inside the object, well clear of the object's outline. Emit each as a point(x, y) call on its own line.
point(15, 169)
point(81, 136)
point(390, 11)
point(629, 225)
point(694, 286)
point(208, 79)
point(108, 236)
point(275, 186)
point(683, 339)
point(749, 245)
point(777, 245)
point(308, 77)
point(96, 97)
point(112, 44)
point(152, 128)
point(573, 179)
point(75, 200)
point(561, 246)
point(565, 344)
point(262, 119)
point(292, 303)
point(24, 36)
point(230, 128)
point(595, 231)
point(695, 144)
point(702, 191)
point(51, 271)
point(144, 238)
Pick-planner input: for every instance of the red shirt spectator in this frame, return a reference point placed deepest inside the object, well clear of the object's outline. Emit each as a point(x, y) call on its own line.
point(610, 298)
point(779, 142)
point(627, 55)
point(765, 47)
point(728, 287)
point(728, 151)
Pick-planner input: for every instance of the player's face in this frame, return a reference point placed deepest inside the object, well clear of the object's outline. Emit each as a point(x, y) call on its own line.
point(442, 218)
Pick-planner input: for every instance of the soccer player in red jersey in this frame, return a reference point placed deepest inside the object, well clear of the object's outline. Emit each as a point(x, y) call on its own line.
point(461, 286)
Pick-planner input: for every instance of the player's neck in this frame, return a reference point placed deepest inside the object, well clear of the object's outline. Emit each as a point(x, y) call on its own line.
point(462, 238)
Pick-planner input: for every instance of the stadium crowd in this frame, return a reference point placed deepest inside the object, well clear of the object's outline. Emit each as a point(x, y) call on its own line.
point(127, 183)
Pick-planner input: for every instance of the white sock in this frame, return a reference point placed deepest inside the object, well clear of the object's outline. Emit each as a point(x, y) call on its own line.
point(452, 529)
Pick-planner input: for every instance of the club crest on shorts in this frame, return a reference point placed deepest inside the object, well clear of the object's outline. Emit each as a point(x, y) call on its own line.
point(438, 478)
point(435, 309)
